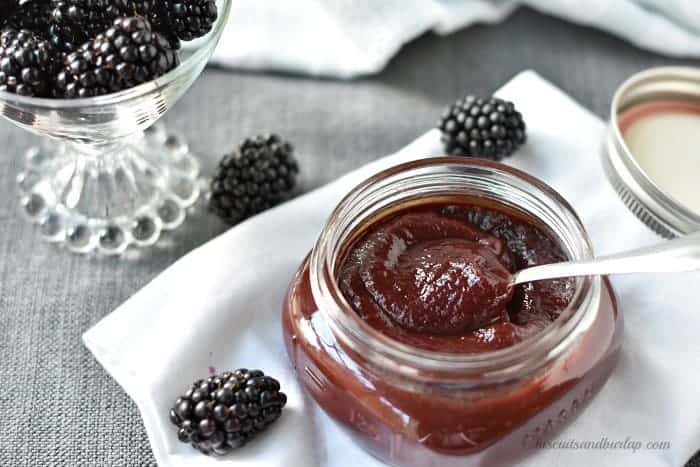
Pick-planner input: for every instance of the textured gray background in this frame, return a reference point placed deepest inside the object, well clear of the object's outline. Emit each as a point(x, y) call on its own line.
point(58, 406)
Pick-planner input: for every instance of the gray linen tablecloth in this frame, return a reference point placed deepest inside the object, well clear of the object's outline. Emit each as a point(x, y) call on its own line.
point(58, 406)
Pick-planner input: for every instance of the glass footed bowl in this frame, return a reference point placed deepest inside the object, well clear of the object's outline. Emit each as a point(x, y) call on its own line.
point(105, 178)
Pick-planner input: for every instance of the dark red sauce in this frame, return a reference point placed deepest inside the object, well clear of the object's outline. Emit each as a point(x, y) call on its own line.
point(384, 272)
point(439, 277)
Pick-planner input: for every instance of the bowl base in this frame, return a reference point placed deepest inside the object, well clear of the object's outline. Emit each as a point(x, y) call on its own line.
point(110, 197)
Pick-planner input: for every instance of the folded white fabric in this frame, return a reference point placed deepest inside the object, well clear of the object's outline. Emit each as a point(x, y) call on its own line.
point(346, 38)
point(220, 307)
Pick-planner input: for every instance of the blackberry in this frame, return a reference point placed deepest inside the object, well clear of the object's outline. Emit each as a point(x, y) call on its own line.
point(489, 128)
point(74, 22)
point(33, 16)
point(151, 10)
point(159, 24)
point(7, 8)
point(135, 7)
point(189, 19)
point(27, 63)
point(126, 55)
point(260, 175)
point(225, 411)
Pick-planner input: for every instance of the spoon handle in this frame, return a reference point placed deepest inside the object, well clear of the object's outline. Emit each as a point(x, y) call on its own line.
point(677, 255)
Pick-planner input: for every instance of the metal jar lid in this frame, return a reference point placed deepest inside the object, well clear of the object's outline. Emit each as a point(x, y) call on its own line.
point(645, 198)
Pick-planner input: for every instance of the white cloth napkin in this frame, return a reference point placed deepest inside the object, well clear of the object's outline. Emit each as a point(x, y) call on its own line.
point(219, 307)
point(346, 38)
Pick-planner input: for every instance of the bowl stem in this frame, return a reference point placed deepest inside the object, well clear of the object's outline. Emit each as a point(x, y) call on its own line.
point(106, 195)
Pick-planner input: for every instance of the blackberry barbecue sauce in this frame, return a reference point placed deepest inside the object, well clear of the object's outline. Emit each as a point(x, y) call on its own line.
point(403, 326)
point(439, 277)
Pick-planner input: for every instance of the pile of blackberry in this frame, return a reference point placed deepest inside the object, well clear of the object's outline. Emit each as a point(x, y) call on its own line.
point(27, 63)
point(126, 55)
point(32, 16)
point(223, 412)
point(84, 48)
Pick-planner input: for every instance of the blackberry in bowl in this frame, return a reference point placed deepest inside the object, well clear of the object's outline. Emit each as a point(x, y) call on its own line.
point(26, 63)
point(109, 178)
point(127, 54)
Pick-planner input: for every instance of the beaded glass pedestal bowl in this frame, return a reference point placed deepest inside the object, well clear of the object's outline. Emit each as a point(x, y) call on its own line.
point(104, 177)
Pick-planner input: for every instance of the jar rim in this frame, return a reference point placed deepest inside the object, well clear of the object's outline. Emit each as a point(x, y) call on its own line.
point(378, 348)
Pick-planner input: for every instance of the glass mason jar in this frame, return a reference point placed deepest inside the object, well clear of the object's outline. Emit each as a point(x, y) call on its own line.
point(418, 408)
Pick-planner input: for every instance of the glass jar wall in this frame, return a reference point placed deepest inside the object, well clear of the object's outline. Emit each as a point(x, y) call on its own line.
point(413, 407)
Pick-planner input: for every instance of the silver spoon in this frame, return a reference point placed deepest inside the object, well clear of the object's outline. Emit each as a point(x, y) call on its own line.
point(677, 255)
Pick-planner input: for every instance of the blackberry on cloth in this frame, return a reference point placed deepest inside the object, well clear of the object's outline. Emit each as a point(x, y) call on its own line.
point(225, 411)
point(489, 128)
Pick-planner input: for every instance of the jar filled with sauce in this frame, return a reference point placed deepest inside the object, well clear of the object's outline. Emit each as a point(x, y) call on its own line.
point(402, 326)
